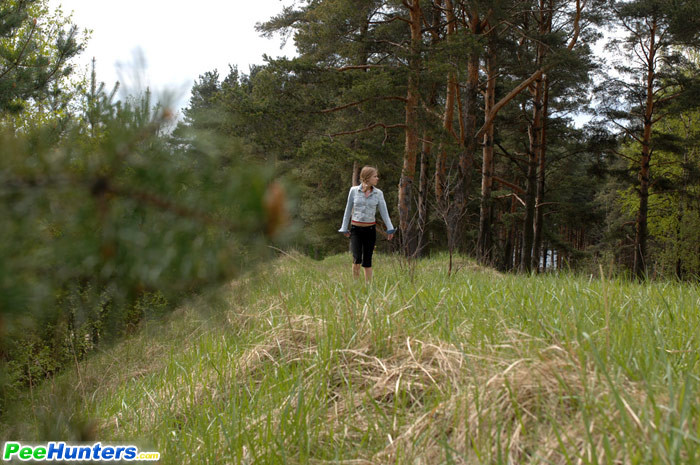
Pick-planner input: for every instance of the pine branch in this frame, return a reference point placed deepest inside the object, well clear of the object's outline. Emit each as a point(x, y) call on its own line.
point(622, 155)
point(667, 98)
point(659, 118)
point(21, 53)
point(64, 54)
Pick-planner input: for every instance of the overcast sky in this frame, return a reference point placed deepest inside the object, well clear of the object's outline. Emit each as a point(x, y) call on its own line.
point(179, 40)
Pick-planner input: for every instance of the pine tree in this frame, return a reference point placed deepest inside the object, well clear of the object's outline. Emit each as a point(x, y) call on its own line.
point(35, 52)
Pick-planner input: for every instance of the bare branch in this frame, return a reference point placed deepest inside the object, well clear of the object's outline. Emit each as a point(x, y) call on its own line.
point(395, 44)
point(349, 67)
point(359, 102)
point(501, 103)
point(517, 160)
point(627, 131)
point(395, 18)
point(369, 127)
point(513, 187)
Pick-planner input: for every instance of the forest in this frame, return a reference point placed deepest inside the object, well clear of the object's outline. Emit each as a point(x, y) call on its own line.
point(531, 136)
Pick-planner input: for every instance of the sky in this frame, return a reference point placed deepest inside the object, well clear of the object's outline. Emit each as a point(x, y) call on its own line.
point(176, 41)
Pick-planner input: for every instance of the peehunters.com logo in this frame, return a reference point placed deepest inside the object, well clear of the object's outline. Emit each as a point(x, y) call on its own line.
point(53, 451)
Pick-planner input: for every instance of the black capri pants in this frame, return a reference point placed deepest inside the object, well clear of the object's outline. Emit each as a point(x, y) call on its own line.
point(362, 239)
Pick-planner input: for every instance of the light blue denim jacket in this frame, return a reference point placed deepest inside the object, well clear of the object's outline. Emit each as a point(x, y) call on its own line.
point(363, 209)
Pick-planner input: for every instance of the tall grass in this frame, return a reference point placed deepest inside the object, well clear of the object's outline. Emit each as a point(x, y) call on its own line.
point(300, 364)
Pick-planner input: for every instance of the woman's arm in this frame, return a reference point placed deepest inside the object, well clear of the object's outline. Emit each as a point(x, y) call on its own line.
point(385, 215)
point(348, 210)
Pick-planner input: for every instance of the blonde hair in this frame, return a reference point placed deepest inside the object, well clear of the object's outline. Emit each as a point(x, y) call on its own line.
point(366, 173)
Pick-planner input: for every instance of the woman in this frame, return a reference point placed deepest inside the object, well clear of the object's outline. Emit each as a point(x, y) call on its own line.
point(363, 201)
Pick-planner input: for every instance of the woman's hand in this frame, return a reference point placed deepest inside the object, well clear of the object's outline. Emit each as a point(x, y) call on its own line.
point(347, 234)
point(390, 236)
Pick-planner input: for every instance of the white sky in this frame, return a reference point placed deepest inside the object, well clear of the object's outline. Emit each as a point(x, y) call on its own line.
point(178, 40)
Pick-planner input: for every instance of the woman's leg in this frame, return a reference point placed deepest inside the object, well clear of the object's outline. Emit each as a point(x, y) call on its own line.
point(367, 251)
point(356, 249)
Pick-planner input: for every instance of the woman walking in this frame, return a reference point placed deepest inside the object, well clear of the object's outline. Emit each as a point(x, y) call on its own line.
point(363, 201)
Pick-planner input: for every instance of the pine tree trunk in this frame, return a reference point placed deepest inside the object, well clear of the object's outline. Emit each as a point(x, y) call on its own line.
point(679, 218)
point(518, 253)
point(528, 222)
point(641, 230)
point(528, 233)
point(427, 141)
point(440, 176)
point(355, 174)
point(362, 60)
point(558, 259)
point(486, 208)
point(450, 94)
point(466, 157)
point(544, 259)
point(411, 146)
point(510, 239)
point(423, 192)
point(539, 215)
point(535, 133)
point(441, 194)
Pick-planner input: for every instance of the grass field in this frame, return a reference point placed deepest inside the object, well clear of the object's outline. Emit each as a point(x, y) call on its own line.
point(298, 363)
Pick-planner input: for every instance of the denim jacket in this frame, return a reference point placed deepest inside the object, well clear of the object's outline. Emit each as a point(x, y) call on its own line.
point(364, 209)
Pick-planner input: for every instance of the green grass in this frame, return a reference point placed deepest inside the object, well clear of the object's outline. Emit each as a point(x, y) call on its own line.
point(298, 363)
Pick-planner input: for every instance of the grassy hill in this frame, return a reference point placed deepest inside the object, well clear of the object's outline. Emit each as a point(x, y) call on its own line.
point(298, 363)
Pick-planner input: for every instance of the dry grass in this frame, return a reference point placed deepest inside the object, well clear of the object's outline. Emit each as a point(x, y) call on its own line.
point(453, 403)
point(515, 411)
point(288, 343)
